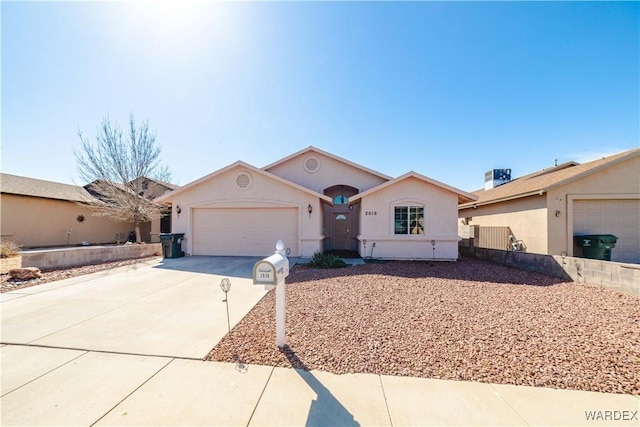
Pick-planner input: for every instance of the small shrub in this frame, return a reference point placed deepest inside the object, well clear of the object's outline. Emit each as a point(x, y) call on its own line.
point(326, 260)
point(9, 249)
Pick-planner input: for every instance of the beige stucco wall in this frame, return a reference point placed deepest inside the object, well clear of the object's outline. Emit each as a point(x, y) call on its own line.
point(619, 181)
point(39, 222)
point(527, 218)
point(154, 231)
point(533, 219)
point(221, 191)
point(331, 172)
point(377, 222)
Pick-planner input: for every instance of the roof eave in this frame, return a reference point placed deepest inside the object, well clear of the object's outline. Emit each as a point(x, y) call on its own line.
point(503, 199)
point(166, 198)
point(631, 154)
point(462, 195)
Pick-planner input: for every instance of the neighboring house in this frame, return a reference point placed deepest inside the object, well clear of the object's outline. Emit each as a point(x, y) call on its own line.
point(316, 201)
point(546, 209)
point(147, 188)
point(38, 213)
point(152, 189)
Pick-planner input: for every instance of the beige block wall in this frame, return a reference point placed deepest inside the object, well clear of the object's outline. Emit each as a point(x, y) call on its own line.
point(330, 173)
point(221, 191)
point(39, 222)
point(66, 257)
point(377, 222)
point(527, 218)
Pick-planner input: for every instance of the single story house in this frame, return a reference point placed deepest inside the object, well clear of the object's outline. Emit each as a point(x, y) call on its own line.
point(546, 209)
point(37, 213)
point(317, 201)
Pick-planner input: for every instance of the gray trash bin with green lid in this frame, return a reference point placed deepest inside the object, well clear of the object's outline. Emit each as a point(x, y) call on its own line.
point(172, 245)
point(596, 246)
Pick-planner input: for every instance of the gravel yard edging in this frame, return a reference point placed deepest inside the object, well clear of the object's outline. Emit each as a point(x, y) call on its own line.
point(471, 320)
point(8, 284)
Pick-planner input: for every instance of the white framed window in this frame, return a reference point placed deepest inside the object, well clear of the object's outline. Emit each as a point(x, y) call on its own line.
point(408, 220)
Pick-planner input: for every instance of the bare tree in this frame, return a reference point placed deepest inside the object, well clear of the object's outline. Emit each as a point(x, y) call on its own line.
point(119, 169)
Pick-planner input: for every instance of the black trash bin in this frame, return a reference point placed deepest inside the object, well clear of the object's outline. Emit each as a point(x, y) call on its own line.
point(172, 245)
point(596, 246)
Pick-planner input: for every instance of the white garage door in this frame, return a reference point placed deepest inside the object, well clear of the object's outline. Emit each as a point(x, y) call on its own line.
point(618, 217)
point(244, 232)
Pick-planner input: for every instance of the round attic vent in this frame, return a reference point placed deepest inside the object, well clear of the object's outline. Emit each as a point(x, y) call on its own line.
point(243, 180)
point(311, 164)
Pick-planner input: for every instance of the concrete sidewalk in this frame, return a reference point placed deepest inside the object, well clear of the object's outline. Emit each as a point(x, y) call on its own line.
point(45, 386)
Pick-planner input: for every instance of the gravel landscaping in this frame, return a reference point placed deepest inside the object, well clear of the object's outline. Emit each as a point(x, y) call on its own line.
point(9, 284)
point(470, 320)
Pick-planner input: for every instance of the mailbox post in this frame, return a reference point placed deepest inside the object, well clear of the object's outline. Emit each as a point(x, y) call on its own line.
point(271, 272)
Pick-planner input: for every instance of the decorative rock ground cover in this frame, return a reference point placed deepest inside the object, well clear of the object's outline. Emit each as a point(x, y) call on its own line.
point(470, 320)
point(11, 284)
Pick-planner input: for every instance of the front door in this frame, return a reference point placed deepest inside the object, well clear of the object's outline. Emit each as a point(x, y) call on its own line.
point(341, 231)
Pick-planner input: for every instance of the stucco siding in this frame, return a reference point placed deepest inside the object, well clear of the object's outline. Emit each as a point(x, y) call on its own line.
point(527, 218)
point(40, 222)
point(618, 182)
point(330, 172)
point(262, 192)
point(377, 222)
point(545, 222)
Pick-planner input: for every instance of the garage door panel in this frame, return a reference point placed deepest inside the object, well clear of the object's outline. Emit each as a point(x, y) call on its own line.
point(244, 232)
point(618, 217)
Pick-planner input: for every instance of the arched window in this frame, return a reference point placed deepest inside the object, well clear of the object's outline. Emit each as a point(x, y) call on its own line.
point(340, 200)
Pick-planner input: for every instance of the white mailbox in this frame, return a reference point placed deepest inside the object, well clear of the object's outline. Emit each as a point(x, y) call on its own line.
point(271, 271)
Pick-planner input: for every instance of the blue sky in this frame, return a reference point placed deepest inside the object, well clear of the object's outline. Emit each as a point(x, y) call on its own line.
point(447, 89)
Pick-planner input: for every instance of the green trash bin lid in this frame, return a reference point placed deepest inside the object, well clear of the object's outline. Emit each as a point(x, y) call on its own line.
point(596, 240)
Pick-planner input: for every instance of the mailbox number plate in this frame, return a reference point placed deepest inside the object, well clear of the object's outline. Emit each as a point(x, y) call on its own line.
point(264, 273)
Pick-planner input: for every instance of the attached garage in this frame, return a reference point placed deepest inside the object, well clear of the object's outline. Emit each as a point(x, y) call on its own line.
point(244, 231)
point(617, 217)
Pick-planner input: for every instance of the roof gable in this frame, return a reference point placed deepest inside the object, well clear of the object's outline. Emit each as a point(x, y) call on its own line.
point(543, 181)
point(312, 149)
point(463, 197)
point(23, 186)
point(169, 196)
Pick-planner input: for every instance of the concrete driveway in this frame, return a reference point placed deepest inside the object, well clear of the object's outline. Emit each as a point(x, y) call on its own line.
point(109, 349)
point(173, 308)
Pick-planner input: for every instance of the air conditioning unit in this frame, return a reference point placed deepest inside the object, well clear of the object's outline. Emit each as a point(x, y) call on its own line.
point(496, 177)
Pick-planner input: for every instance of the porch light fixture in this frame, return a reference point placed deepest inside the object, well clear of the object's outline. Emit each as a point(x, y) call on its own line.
point(178, 210)
point(309, 209)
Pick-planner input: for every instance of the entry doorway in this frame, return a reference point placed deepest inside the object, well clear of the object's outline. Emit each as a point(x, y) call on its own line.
point(341, 231)
point(340, 221)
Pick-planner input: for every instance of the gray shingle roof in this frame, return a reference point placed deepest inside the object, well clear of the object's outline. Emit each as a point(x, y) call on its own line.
point(23, 186)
